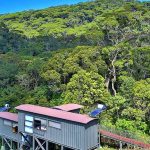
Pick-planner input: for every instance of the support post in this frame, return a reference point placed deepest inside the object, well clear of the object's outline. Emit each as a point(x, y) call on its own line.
point(2, 147)
point(33, 143)
point(135, 147)
point(11, 145)
point(46, 145)
point(2, 141)
point(120, 145)
point(18, 145)
point(62, 147)
point(99, 137)
point(31, 147)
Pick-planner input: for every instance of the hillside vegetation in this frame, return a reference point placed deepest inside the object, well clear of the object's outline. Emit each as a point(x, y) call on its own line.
point(90, 53)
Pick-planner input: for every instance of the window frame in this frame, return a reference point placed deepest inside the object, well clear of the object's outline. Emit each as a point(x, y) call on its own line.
point(40, 119)
point(26, 127)
point(31, 118)
point(6, 124)
point(30, 121)
point(55, 122)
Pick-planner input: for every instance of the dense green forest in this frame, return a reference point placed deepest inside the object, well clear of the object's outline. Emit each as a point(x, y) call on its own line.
point(89, 53)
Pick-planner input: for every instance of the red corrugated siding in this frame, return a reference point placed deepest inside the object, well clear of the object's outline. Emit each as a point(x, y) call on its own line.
point(124, 139)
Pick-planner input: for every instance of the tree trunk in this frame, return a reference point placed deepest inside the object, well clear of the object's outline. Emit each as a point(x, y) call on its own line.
point(114, 74)
point(110, 78)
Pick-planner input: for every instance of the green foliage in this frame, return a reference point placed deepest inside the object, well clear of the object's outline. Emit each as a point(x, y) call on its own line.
point(126, 88)
point(141, 63)
point(85, 88)
point(38, 96)
point(7, 73)
point(141, 90)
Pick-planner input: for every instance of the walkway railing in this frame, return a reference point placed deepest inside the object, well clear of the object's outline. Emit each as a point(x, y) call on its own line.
point(126, 134)
point(124, 140)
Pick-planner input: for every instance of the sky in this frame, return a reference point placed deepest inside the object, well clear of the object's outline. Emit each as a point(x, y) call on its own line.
point(10, 6)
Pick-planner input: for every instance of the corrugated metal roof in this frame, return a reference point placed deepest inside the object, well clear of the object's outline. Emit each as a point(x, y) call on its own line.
point(69, 107)
point(9, 116)
point(55, 113)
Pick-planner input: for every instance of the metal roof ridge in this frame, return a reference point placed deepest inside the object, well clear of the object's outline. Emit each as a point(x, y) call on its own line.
point(51, 112)
point(69, 107)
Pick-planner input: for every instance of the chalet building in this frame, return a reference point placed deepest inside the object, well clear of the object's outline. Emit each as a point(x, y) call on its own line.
point(42, 128)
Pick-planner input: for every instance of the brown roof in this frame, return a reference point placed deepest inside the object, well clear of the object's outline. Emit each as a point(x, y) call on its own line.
point(124, 139)
point(55, 113)
point(69, 107)
point(9, 116)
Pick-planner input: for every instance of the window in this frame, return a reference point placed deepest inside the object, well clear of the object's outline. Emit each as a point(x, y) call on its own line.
point(55, 124)
point(15, 128)
point(40, 124)
point(28, 129)
point(29, 118)
point(7, 123)
point(28, 124)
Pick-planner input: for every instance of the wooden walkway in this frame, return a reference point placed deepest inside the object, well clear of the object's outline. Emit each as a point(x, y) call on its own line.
point(124, 140)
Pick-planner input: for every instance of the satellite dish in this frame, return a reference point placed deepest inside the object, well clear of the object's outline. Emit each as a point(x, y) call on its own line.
point(98, 111)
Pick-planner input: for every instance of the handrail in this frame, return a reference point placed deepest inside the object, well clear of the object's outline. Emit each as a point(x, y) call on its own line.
point(123, 139)
point(126, 133)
